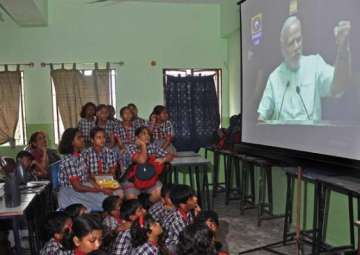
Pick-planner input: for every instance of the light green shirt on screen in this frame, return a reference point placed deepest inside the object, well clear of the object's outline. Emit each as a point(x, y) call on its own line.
point(314, 79)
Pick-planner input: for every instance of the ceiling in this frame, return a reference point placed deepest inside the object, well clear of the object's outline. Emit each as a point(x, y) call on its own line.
point(30, 13)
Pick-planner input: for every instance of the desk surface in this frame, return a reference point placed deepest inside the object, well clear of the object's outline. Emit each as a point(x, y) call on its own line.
point(27, 195)
point(189, 161)
point(186, 154)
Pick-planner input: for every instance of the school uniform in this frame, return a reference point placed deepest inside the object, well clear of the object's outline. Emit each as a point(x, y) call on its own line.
point(111, 223)
point(176, 223)
point(139, 122)
point(99, 163)
point(126, 134)
point(109, 128)
point(53, 247)
point(147, 248)
point(73, 166)
point(85, 126)
point(122, 244)
point(159, 212)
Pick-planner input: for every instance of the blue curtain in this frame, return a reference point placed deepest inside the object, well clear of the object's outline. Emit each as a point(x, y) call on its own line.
point(194, 110)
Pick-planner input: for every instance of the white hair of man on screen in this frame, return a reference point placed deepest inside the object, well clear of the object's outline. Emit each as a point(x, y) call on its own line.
point(291, 40)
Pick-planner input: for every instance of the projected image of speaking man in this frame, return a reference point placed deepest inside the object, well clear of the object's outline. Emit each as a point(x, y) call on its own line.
point(295, 88)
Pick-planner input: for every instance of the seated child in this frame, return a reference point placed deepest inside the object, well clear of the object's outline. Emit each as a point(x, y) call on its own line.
point(58, 227)
point(186, 205)
point(112, 221)
point(26, 160)
point(86, 235)
point(137, 121)
point(87, 121)
point(161, 209)
point(146, 236)
point(75, 210)
point(140, 153)
point(76, 186)
point(131, 210)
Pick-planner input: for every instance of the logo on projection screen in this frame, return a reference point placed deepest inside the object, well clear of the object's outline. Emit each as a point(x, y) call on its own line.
point(256, 29)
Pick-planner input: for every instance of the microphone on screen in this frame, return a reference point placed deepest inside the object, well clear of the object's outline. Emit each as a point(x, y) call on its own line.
point(298, 91)
point(282, 100)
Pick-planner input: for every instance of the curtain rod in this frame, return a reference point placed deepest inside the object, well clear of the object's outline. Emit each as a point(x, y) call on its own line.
point(96, 64)
point(30, 64)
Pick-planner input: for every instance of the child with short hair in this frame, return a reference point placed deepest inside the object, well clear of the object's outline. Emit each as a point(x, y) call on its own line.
point(146, 236)
point(161, 209)
point(186, 204)
point(137, 121)
point(131, 210)
point(87, 121)
point(58, 227)
point(86, 235)
point(26, 160)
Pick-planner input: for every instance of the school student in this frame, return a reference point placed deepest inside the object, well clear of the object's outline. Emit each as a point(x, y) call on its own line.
point(58, 226)
point(112, 220)
point(87, 121)
point(161, 209)
point(125, 130)
point(131, 211)
point(76, 185)
point(108, 125)
point(137, 121)
point(26, 161)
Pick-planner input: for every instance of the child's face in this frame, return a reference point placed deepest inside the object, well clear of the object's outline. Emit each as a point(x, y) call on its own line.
point(163, 116)
point(78, 142)
point(90, 242)
point(133, 110)
point(211, 225)
point(116, 211)
point(192, 203)
point(102, 114)
point(99, 139)
point(144, 136)
point(126, 115)
point(67, 227)
point(156, 229)
point(111, 111)
point(90, 111)
point(26, 162)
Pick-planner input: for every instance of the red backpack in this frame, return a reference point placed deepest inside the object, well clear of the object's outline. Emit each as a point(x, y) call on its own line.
point(145, 176)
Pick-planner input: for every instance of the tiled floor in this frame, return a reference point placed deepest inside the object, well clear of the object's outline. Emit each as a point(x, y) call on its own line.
point(241, 233)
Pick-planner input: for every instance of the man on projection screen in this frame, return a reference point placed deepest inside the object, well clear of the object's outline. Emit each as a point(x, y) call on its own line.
point(295, 88)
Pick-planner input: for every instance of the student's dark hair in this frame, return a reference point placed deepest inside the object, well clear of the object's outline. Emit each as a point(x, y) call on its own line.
point(109, 203)
point(196, 239)
point(165, 190)
point(140, 129)
point(65, 145)
point(82, 226)
point(84, 108)
point(24, 154)
point(159, 109)
point(95, 130)
point(34, 136)
point(144, 199)
point(123, 109)
point(101, 106)
point(74, 210)
point(207, 215)
point(129, 207)
point(55, 223)
point(180, 193)
point(132, 105)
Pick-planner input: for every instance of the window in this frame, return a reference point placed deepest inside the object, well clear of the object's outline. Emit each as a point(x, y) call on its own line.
point(216, 73)
point(20, 132)
point(58, 123)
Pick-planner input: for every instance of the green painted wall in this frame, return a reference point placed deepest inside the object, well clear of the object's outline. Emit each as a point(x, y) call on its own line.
point(174, 35)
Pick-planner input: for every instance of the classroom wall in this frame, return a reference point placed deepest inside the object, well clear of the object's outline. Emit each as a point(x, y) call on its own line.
point(174, 35)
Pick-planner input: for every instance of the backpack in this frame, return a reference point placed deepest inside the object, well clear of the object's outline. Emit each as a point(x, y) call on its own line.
point(145, 176)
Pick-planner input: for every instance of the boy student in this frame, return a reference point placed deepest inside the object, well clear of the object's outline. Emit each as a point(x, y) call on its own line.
point(186, 207)
point(131, 210)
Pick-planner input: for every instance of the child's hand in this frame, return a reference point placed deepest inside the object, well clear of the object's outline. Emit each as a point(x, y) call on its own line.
point(197, 210)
